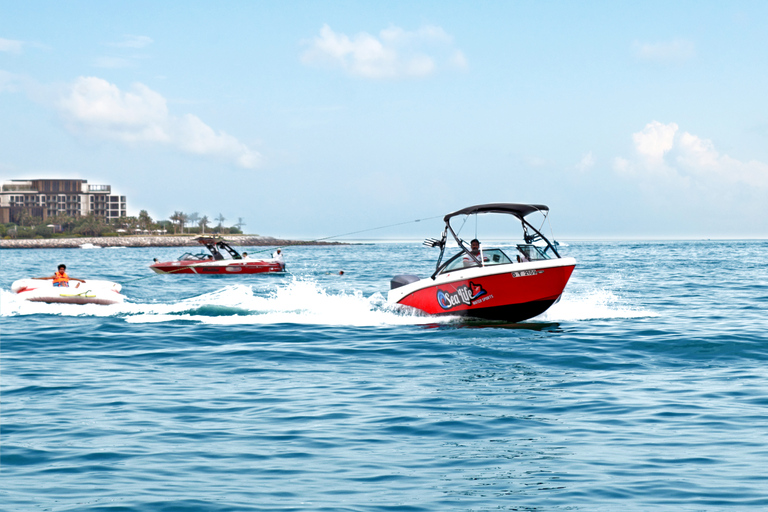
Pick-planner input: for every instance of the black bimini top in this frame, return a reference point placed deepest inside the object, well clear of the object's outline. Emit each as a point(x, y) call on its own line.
point(516, 209)
point(209, 240)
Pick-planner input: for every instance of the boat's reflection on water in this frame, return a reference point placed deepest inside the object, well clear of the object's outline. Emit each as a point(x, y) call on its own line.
point(475, 323)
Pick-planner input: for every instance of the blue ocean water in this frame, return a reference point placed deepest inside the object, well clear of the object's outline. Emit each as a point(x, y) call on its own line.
point(644, 388)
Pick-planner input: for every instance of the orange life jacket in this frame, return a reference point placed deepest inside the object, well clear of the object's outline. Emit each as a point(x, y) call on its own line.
point(60, 277)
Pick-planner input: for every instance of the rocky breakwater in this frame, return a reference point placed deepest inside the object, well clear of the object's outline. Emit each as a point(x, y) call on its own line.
point(147, 241)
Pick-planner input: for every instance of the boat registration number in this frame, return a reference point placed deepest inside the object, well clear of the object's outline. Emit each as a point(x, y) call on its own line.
point(523, 273)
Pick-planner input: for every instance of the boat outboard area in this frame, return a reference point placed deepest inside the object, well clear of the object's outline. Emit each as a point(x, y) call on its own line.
point(514, 281)
point(221, 259)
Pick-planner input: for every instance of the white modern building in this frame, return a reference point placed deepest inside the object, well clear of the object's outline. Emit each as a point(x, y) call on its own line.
point(48, 198)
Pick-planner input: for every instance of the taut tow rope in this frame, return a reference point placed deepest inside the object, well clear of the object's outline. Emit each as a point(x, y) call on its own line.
point(350, 233)
point(275, 247)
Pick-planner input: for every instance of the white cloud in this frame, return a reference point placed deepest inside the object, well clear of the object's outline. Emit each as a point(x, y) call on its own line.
point(395, 53)
point(665, 156)
point(536, 161)
point(654, 141)
point(586, 162)
point(193, 135)
point(7, 81)
point(677, 50)
point(622, 165)
point(13, 83)
point(459, 60)
point(10, 46)
point(130, 41)
point(97, 108)
point(700, 155)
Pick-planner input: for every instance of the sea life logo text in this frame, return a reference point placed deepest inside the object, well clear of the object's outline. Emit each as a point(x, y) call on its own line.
point(463, 295)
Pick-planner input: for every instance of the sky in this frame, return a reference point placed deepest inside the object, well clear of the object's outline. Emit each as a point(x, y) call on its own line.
point(309, 119)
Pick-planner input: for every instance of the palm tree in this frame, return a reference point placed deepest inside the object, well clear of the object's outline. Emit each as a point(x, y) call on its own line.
point(65, 221)
point(203, 224)
point(26, 218)
point(177, 217)
point(184, 221)
point(193, 218)
point(90, 225)
point(131, 223)
point(145, 221)
point(221, 219)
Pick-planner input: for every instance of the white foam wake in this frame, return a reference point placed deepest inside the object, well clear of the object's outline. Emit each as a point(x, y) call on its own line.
point(304, 302)
point(298, 302)
point(591, 305)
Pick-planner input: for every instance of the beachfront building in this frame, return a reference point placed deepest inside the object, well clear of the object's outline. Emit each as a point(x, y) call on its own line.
point(47, 198)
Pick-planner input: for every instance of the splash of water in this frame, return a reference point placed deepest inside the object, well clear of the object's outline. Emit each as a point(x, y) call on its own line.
point(298, 302)
point(591, 305)
point(305, 302)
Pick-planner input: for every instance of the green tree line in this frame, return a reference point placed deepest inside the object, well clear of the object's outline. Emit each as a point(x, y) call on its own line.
point(65, 226)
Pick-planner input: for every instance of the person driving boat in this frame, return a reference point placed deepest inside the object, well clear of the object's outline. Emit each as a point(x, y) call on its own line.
point(474, 250)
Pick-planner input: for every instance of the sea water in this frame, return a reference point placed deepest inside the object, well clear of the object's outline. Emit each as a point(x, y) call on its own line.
point(644, 388)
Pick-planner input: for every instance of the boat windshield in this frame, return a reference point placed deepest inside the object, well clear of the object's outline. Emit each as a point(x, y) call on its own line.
point(187, 256)
point(489, 257)
point(532, 252)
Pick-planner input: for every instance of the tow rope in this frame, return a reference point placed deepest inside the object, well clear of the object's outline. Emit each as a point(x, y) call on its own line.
point(275, 247)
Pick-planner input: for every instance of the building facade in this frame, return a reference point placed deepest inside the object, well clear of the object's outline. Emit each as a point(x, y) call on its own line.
point(47, 198)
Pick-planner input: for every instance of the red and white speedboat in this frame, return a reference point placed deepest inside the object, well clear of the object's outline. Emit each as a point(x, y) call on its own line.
point(514, 284)
point(222, 260)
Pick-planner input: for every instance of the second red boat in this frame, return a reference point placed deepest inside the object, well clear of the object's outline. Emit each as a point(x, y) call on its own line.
point(222, 259)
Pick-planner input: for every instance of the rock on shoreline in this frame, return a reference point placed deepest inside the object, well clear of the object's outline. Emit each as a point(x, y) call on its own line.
point(149, 241)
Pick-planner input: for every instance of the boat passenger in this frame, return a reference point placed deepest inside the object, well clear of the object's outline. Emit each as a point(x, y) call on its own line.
point(60, 278)
point(245, 255)
point(278, 256)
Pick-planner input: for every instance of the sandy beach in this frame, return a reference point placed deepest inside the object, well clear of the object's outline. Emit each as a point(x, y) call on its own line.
point(149, 241)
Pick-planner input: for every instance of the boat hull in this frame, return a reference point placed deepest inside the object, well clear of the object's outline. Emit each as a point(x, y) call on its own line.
point(90, 292)
point(511, 293)
point(226, 267)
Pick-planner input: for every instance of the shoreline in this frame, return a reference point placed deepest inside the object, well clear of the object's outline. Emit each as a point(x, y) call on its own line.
point(149, 241)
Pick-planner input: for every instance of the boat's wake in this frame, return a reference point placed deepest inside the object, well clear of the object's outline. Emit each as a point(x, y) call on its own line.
point(298, 302)
point(302, 302)
point(591, 305)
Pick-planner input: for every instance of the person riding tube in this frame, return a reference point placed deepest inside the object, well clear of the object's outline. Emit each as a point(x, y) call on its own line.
point(60, 278)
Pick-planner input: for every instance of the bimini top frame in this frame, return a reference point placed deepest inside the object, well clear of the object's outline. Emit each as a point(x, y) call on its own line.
point(216, 244)
point(521, 211)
